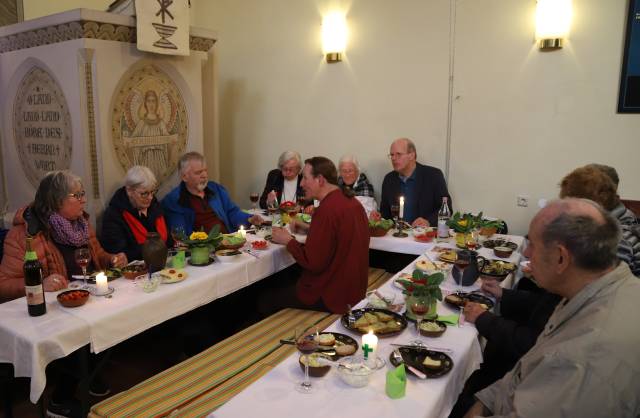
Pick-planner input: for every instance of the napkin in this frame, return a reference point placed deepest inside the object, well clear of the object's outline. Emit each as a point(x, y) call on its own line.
point(396, 382)
point(449, 319)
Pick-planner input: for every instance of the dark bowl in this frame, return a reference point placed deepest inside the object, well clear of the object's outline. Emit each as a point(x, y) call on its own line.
point(131, 272)
point(73, 298)
point(502, 252)
point(314, 371)
point(433, 334)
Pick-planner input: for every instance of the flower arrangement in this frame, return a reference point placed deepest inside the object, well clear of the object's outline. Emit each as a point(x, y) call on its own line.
point(464, 223)
point(202, 239)
point(422, 284)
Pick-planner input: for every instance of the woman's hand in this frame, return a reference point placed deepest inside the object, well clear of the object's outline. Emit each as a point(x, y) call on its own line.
point(272, 196)
point(119, 260)
point(54, 282)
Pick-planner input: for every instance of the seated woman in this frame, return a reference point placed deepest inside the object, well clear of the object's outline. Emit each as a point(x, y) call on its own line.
point(593, 183)
point(133, 211)
point(283, 183)
point(351, 177)
point(59, 225)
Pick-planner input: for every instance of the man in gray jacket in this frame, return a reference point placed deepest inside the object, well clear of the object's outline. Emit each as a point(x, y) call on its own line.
point(585, 362)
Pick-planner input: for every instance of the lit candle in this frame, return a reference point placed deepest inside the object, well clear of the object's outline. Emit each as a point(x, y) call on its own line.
point(102, 287)
point(401, 212)
point(369, 345)
point(242, 232)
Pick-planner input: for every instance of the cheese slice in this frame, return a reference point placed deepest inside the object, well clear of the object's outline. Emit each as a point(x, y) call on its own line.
point(431, 363)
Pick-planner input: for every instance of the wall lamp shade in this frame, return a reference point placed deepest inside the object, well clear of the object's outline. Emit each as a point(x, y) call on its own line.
point(334, 36)
point(553, 19)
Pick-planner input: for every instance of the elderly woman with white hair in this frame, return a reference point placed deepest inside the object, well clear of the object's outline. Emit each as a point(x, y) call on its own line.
point(351, 177)
point(133, 212)
point(283, 183)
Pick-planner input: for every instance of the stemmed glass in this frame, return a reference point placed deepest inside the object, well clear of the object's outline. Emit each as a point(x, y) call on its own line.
point(306, 344)
point(178, 234)
point(472, 240)
point(273, 208)
point(254, 197)
point(462, 262)
point(83, 257)
point(419, 308)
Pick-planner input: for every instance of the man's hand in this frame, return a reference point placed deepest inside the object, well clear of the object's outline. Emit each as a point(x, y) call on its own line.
point(54, 282)
point(280, 235)
point(255, 220)
point(420, 222)
point(477, 410)
point(491, 286)
point(472, 311)
point(297, 226)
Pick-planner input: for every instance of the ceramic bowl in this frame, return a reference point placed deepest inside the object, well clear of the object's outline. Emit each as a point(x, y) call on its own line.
point(228, 255)
point(315, 369)
point(432, 329)
point(133, 271)
point(73, 298)
point(502, 252)
point(148, 285)
point(354, 372)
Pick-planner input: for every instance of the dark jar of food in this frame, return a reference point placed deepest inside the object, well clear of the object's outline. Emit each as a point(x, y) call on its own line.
point(154, 252)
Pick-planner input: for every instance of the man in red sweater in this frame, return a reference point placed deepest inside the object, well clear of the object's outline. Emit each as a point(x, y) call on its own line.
point(335, 257)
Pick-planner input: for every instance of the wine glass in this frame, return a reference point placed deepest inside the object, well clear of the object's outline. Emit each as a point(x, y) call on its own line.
point(178, 234)
point(462, 262)
point(306, 344)
point(254, 197)
point(83, 257)
point(395, 211)
point(419, 308)
point(472, 240)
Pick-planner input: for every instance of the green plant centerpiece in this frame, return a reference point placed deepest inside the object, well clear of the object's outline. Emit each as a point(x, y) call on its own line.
point(489, 227)
point(379, 227)
point(422, 287)
point(463, 225)
point(201, 244)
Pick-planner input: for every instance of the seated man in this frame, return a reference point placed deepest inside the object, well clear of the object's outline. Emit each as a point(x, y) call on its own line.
point(198, 204)
point(335, 257)
point(584, 363)
point(351, 177)
point(422, 186)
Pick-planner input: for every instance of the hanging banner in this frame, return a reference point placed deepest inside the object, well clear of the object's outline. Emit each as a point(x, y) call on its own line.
point(163, 26)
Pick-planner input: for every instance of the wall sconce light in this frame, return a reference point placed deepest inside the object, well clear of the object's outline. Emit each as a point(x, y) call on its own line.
point(334, 36)
point(553, 18)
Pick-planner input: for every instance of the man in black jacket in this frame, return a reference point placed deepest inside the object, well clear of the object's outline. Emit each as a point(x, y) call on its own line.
point(422, 186)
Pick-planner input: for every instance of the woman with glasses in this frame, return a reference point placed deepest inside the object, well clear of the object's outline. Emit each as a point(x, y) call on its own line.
point(59, 225)
point(133, 212)
point(283, 183)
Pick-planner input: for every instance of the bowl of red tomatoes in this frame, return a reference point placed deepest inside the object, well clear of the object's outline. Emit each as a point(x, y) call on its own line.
point(259, 245)
point(73, 298)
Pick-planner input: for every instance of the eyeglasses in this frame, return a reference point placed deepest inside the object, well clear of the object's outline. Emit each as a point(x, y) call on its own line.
point(145, 195)
point(397, 155)
point(79, 195)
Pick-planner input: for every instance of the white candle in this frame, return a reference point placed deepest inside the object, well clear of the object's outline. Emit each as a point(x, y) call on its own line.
point(102, 287)
point(242, 232)
point(401, 212)
point(369, 345)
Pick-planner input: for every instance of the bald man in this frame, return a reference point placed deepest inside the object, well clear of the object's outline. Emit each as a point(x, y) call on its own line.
point(422, 186)
point(585, 362)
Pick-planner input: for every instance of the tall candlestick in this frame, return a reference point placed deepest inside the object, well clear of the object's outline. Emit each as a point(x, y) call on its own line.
point(401, 212)
point(102, 287)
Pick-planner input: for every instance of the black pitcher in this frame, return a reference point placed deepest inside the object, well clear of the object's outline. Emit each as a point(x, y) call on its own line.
point(154, 252)
point(471, 272)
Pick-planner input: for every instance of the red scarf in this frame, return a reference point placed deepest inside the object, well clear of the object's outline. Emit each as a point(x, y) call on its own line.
point(140, 232)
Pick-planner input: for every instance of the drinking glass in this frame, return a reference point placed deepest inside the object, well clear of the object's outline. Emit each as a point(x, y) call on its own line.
point(472, 240)
point(178, 234)
point(395, 211)
point(306, 344)
point(419, 308)
point(83, 257)
point(462, 262)
point(254, 197)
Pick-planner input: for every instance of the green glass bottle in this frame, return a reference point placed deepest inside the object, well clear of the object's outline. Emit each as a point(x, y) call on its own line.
point(33, 282)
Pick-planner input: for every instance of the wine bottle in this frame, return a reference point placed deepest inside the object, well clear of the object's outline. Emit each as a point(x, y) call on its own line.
point(444, 214)
point(33, 282)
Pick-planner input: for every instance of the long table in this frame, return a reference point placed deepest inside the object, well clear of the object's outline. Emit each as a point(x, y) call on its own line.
point(275, 396)
point(31, 343)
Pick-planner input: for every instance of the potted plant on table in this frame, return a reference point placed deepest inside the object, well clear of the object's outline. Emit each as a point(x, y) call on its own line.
point(463, 225)
point(422, 288)
point(489, 227)
point(201, 244)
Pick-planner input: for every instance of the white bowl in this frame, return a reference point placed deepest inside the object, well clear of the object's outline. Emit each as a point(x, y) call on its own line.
point(354, 372)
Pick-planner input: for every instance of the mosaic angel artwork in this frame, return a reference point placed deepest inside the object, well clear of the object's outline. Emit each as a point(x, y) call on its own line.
point(151, 123)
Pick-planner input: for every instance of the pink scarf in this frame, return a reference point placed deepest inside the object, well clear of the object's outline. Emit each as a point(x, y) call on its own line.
point(66, 232)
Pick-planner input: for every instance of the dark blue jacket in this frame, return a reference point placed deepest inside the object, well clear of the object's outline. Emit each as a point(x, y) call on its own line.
point(178, 212)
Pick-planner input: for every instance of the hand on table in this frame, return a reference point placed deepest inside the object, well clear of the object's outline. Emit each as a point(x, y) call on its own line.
point(297, 226)
point(119, 260)
point(272, 196)
point(255, 220)
point(420, 222)
point(54, 282)
point(492, 287)
point(280, 235)
point(472, 311)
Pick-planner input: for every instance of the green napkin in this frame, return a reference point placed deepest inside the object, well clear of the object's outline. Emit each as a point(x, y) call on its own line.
point(449, 319)
point(396, 382)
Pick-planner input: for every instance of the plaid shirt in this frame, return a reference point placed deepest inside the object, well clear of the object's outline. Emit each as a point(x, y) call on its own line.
point(361, 187)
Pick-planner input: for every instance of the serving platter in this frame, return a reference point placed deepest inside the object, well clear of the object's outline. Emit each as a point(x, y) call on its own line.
point(464, 297)
point(498, 242)
point(414, 356)
point(394, 326)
